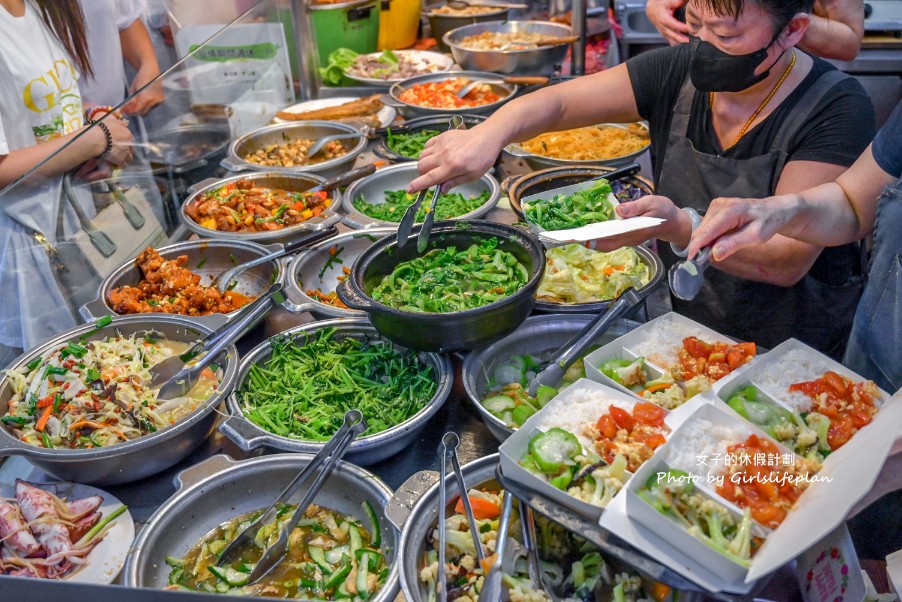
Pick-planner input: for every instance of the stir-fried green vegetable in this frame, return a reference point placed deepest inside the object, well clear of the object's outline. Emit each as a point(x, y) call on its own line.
point(446, 280)
point(304, 389)
point(449, 205)
point(580, 208)
point(409, 145)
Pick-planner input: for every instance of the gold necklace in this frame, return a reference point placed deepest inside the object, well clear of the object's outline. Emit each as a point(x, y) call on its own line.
point(760, 108)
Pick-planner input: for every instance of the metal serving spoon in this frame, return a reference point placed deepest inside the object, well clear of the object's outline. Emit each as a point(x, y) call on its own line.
point(322, 142)
point(573, 349)
point(524, 80)
point(537, 44)
point(466, 3)
point(686, 278)
point(328, 457)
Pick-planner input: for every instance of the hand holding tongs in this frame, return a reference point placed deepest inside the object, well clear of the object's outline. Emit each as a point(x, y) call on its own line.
point(410, 216)
point(448, 449)
point(573, 349)
point(172, 375)
point(328, 457)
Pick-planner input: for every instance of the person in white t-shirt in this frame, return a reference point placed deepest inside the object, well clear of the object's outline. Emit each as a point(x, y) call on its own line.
point(115, 34)
point(43, 50)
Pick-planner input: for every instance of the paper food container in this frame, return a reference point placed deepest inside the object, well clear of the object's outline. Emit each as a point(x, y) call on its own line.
point(658, 341)
point(539, 230)
point(563, 411)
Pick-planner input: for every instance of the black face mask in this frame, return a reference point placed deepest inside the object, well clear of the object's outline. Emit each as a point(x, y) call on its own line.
point(713, 70)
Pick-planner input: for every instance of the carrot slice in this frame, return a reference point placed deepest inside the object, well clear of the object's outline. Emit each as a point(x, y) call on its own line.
point(42, 421)
point(483, 509)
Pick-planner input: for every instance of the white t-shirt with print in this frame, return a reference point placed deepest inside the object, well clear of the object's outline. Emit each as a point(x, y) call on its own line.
point(39, 101)
point(104, 20)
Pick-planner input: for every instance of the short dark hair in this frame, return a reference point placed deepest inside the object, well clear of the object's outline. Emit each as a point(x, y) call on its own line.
point(780, 10)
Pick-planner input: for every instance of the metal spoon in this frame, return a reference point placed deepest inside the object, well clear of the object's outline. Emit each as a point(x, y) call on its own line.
point(328, 457)
point(466, 3)
point(491, 585)
point(524, 80)
point(573, 349)
point(322, 142)
point(686, 278)
point(537, 44)
point(226, 280)
point(172, 375)
point(455, 123)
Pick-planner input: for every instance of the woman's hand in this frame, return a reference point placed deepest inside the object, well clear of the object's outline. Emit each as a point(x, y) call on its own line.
point(676, 227)
point(121, 152)
point(148, 98)
point(454, 158)
point(661, 14)
point(732, 224)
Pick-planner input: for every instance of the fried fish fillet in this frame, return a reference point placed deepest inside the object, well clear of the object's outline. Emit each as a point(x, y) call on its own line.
point(356, 108)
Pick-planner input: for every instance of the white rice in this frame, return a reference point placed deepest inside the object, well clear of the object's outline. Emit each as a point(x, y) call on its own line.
point(795, 366)
point(663, 340)
point(699, 446)
point(577, 408)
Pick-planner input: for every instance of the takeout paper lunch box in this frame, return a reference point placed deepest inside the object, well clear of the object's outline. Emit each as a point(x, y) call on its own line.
point(538, 230)
point(621, 349)
point(517, 445)
point(820, 509)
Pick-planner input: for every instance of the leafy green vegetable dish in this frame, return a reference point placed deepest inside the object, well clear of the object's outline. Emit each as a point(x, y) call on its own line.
point(305, 387)
point(409, 145)
point(447, 280)
point(449, 205)
point(564, 211)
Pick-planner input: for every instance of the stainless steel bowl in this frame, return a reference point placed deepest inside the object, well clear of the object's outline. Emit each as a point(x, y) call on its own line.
point(219, 489)
point(288, 132)
point(305, 272)
point(437, 123)
point(506, 91)
point(538, 162)
point(207, 258)
point(131, 460)
point(422, 518)
point(656, 272)
point(365, 450)
point(293, 182)
point(540, 336)
point(397, 177)
point(186, 147)
point(440, 24)
point(536, 61)
point(558, 177)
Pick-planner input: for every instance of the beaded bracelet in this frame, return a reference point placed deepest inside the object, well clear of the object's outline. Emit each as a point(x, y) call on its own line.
point(109, 137)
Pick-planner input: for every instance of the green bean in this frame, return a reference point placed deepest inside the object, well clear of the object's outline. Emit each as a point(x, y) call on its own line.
point(449, 205)
point(305, 387)
point(447, 280)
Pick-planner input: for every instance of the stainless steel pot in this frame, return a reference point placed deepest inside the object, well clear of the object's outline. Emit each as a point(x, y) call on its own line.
point(397, 177)
point(219, 489)
point(536, 61)
point(655, 269)
point(440, 24)
point(131, 460)
point(292, 182)
point(557, 177)
point(187, 147)
point(207, 258)
point(453, 331)
point(306, 272)
point(537, 162)
point(539, 336)
point(506, 91)
point(437, 122)
point(288, 132)
point(365, 450)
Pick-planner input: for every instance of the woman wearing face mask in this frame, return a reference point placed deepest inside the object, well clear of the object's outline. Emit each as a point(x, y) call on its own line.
point(739, 111)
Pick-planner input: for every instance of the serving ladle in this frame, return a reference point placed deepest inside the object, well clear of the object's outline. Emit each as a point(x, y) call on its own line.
point(573, 349)
point(467, 3)
point(322, 142)
point(523, 80)
point(686, 278)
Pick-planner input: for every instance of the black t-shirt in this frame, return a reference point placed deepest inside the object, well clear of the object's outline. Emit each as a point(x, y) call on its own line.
point(838, 131)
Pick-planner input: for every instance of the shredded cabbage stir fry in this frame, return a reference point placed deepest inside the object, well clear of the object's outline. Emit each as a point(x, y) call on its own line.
point(575, 274)
point(95, 394)
point(448, 280)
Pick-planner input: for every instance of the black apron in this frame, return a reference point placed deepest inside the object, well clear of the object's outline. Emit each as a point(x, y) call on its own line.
point(818, 309)
point(875, 347)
